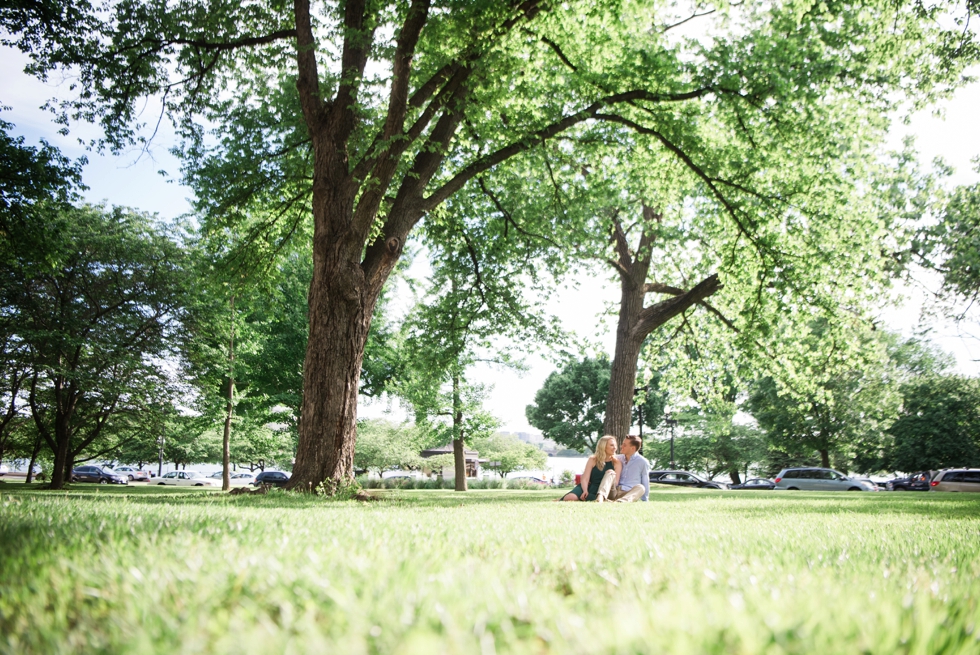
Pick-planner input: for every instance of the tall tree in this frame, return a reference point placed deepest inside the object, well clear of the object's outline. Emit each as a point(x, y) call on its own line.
point(373, 114)
point(474, 300)
point(382, 445)
point(939, 425)
point(507, 454)
point(97, 301)
point(32, 177)
point(570, 405)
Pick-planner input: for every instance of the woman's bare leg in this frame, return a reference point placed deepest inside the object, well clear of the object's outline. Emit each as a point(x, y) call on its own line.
point(570, 497)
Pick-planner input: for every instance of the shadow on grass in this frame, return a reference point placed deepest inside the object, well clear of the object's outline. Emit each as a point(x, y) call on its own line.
point(155, 496)
point(749, 503)
point(761, 503)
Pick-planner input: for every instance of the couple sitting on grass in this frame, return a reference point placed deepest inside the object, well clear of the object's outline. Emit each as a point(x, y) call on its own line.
point(610, 477)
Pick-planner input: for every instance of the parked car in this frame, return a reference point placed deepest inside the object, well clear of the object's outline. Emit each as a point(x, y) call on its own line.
point(3, 469)
point(186, 479)
point(275, 478)
point(684, 479)
point(531, 479)
point(870, 484)
point(97, 474)
point(133, 473)
point(915, 482)
point(818, 479)
point(234, 478)
point(764, 484)
point(956, 480)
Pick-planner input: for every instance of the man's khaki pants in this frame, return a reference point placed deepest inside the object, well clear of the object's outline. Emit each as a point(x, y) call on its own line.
point(608, 492)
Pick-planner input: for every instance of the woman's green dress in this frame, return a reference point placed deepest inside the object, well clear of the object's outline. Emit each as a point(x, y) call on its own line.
point(595, 479)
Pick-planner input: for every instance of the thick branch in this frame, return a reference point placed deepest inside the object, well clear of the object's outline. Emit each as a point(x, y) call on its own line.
point(686, 159)
point(621, 244)
point(656, 287)
point(592, 111)
point(408, 38)
point(353, 59)
point(561, 55)
point(230, 45)
point(307, 83)
point(656, 315)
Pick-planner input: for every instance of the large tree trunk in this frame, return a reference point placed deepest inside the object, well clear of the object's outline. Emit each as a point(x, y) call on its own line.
point(825, 458)
point(34, 453)
point(459, 452)
point(459, 461)
point(733, 474)
point(622, 380)
point(226, 438)
point(61, 471)
point(636, 322)
point(341, 304)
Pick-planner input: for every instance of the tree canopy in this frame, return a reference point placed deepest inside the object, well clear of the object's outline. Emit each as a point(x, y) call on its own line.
point(372, 115)
point(95, 297)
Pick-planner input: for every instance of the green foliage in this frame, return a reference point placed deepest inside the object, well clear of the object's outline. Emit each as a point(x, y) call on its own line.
point(97, 296)
point(850, 400)
point(939, 425)
point(507, 454)
point(570, 406)
point(708, 442)
point(383, 445)
point(958, 234)
point(31, 177)
point(763, 130)
point(392, 575)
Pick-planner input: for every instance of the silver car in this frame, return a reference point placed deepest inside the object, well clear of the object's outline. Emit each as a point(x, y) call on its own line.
point(818, 479)
point(957, 480)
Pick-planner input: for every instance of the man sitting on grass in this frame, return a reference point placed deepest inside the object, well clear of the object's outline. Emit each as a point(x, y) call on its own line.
point(634, 481)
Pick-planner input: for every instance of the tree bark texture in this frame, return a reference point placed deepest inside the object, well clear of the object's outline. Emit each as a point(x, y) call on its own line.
point(226, 437)
point(459, 451)
point(34, 453)
point(636, 322)
point(349, 268)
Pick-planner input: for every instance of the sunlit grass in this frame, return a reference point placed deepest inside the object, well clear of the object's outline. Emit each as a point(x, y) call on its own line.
point(154, 570)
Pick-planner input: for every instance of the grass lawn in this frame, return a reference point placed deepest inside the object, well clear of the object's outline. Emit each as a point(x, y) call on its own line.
point(155, 570)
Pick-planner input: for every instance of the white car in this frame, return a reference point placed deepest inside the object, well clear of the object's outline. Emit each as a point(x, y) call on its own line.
point(132, 473)
point(235, 478)
point(187, 479)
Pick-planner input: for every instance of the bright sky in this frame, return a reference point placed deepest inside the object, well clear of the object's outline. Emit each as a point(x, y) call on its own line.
point(133, 180)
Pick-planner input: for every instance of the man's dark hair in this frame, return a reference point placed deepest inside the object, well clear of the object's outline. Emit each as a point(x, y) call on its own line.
point(635, 441)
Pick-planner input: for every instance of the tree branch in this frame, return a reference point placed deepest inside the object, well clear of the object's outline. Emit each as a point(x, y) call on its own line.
point(592, 111)
point(353, 59)
point(228, 45)
point(656, 315)
point(408, 37)
point(697, 170)
point(308, 81)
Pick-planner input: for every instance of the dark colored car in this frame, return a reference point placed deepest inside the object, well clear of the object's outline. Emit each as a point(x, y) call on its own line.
point(764, 484)
point(916, 482)
point(275, 478)
point(683, 479)
point(97, 474)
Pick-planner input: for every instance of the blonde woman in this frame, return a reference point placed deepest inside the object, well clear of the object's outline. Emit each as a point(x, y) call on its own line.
point(603, 460)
